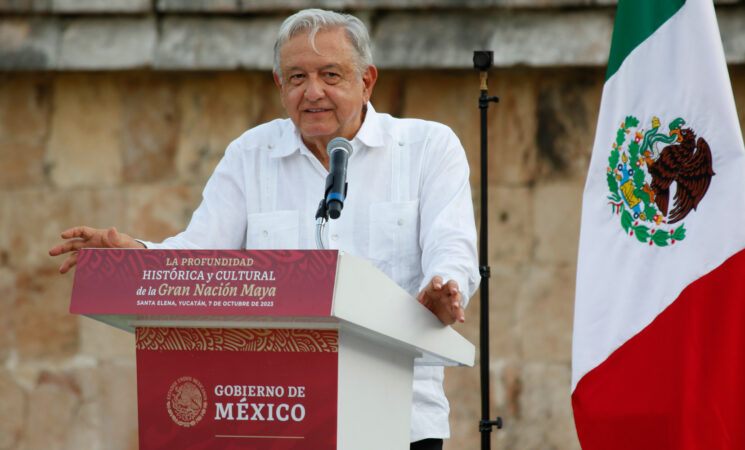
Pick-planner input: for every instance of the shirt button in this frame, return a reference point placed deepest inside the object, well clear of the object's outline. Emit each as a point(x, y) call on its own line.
point(400, 143)
point(400, 222)
point(334, 237)
point(266, 233)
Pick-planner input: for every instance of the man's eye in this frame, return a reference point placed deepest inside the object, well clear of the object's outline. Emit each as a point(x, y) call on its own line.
point(296, 77)
point(332, 76)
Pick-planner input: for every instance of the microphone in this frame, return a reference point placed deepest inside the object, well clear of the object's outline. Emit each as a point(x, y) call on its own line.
point(339, 150)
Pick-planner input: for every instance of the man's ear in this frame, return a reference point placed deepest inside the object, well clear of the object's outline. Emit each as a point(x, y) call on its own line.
point(369, 77)
point(276, 81)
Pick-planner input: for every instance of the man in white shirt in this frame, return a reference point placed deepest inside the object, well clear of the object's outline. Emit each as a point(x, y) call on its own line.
point(408, 208)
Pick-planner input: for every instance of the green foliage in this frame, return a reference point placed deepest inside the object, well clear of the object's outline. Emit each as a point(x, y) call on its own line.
point(613, 159)
point(679, 234)
point(660, 238)
point(620, 137)
point(626, 219)
point(642, 233)
point(633, 152)
point(631, 121)
point(612, 183)
point(615, 197)
point(639, 181)
point(650, 210)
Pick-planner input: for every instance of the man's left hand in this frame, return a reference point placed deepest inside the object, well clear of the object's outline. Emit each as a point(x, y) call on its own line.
point(444, 300)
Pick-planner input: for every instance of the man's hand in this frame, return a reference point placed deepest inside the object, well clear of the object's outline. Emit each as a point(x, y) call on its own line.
point(82, 237)
point(444, 300)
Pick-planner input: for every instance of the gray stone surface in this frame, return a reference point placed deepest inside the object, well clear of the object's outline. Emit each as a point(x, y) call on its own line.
point(532, 33)
point(99, 6)
point(24, 5)
point(107, 43)
point(405, 40)
point(220, 43)
point(28, 43)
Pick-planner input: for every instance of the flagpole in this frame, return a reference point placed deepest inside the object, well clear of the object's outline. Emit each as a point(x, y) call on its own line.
point(482, 60)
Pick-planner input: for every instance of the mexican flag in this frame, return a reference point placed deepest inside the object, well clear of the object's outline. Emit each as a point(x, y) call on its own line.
point(658, 357)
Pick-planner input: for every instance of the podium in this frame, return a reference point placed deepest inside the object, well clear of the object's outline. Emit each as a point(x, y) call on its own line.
point(266, 349)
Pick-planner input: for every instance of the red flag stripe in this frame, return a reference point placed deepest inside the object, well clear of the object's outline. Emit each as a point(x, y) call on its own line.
point(681, 375)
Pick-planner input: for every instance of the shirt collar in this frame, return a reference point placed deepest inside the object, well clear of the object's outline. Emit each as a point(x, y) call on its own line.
point(370, 135)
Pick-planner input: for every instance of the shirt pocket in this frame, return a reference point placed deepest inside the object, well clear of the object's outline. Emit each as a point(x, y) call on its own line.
point(273, 230)
point(394, 230)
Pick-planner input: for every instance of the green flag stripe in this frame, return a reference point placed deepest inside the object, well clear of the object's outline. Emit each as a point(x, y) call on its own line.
point(636, 20)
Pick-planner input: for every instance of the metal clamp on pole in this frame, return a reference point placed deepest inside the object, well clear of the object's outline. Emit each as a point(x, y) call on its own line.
point(482, 61)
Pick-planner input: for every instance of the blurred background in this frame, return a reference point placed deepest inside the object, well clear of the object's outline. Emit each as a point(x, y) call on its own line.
point(115, 112)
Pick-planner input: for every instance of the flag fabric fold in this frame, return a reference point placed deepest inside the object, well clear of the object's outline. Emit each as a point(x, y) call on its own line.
point(658, 353)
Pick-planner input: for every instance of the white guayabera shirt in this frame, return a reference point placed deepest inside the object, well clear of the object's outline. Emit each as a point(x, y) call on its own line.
point(408, 210)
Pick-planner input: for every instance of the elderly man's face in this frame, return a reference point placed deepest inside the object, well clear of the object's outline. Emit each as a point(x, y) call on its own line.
point(322, 92)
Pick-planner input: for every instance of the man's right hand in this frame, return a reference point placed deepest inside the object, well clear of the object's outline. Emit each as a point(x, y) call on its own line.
point(82, 237)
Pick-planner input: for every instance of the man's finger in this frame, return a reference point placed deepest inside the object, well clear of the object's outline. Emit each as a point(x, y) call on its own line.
point(69, 262)
point(436, 282)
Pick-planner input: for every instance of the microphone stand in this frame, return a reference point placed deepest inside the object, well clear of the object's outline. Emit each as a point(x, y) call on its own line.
point(482, 60)
point(322, 216)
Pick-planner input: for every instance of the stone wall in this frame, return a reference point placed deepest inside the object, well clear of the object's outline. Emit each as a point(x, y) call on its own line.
point(87, 137)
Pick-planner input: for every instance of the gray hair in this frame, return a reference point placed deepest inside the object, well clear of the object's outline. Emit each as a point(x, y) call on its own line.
point(315, 20)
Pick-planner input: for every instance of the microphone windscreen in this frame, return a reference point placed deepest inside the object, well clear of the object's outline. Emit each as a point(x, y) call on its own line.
point(339, 142)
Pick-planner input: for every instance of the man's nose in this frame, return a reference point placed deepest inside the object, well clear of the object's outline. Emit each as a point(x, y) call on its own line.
point(314, 89)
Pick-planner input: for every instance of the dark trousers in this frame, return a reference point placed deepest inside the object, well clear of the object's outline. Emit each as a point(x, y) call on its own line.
point(427, 444)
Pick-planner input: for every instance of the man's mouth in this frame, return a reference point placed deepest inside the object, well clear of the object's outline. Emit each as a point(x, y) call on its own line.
point(316, 110)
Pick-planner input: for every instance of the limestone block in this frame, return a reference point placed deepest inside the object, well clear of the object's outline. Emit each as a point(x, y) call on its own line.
point(510, 222)
point(21, 164)
point(214, 110)
point(52, 410)
point(197, 43)
point(556, 214)
point(198, 5)
point(38, 216)
point(156, 212)
point(462, 390)
point(533, 38)
point(732, 32)
point(24, 5)
point(104, 342)
point(112, 43)
point(512, 153)
point(547, 39)
point(567, 109)
point(25, 106)
point(14, 402)
point(545, 311)
point(119, 405)
point(388, 93)
point(7, 324)
point(100, 6)
point(44, 326)
point(28, 43)
point(505, 287)
point(150, 128)
point(547, 420)
point(85, 143)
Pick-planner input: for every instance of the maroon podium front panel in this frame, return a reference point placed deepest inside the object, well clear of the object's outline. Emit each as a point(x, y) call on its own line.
point(204, 282)
point(237, 388)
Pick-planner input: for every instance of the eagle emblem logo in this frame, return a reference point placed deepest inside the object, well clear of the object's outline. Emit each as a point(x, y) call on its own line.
point(643, 174)
point(186, 401)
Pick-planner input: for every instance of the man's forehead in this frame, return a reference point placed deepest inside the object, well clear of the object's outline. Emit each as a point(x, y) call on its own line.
point(332, 44)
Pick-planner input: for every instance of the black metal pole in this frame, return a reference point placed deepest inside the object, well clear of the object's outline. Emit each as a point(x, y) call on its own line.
point(482, 61)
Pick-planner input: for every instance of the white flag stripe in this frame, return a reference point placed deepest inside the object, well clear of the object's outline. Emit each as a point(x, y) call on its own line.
point(622, 284)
